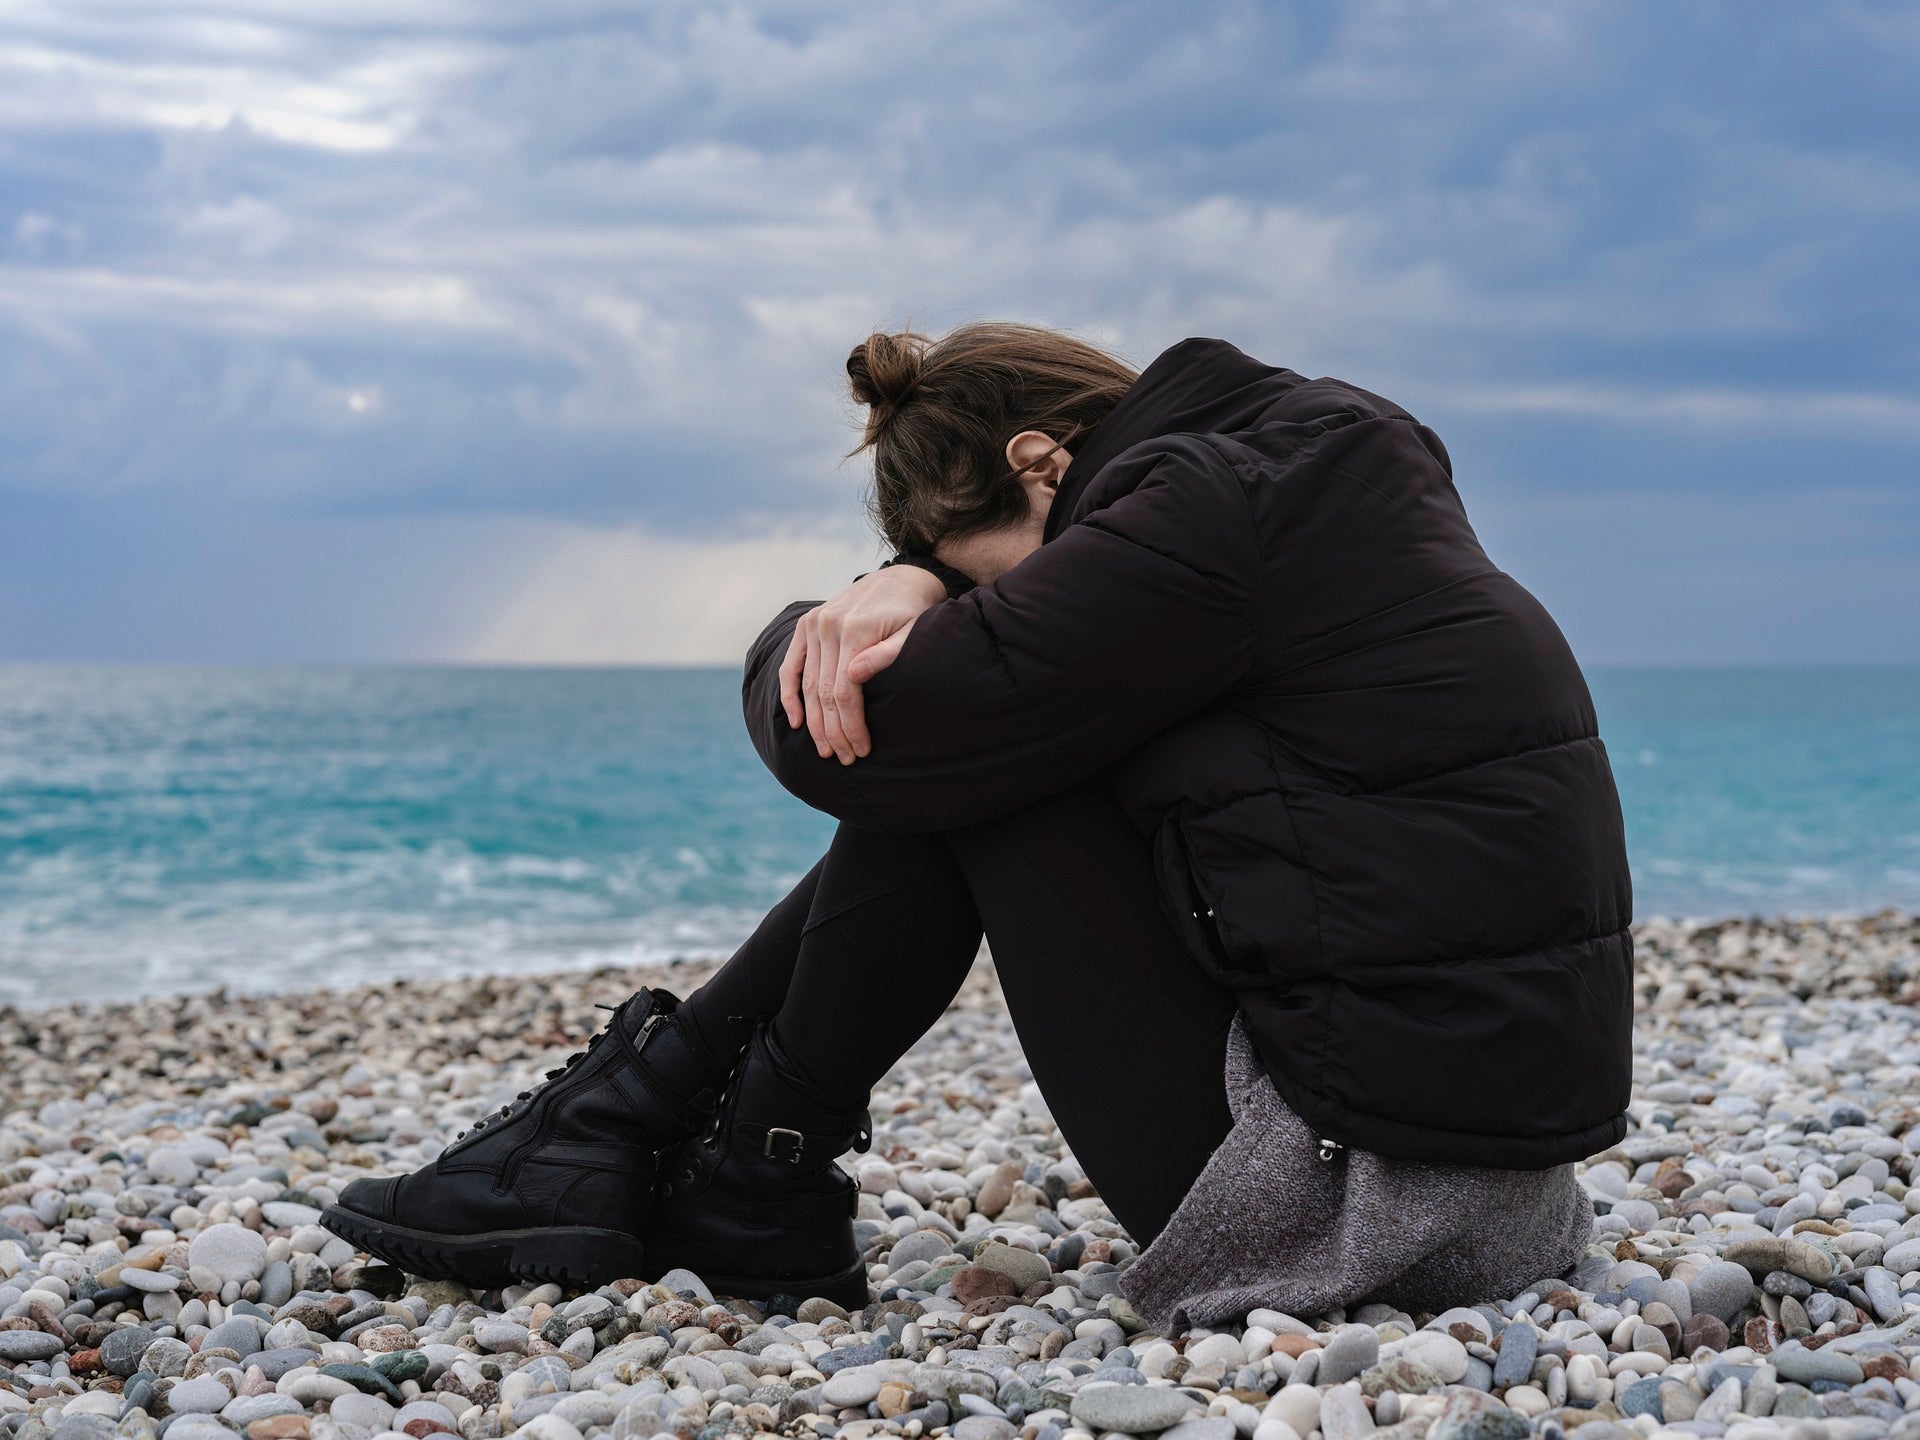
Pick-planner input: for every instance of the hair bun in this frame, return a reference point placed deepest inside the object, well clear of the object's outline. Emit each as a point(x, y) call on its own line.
point(883, 369)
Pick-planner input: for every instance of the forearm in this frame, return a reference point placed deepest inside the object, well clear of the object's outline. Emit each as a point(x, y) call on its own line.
point(908, 784)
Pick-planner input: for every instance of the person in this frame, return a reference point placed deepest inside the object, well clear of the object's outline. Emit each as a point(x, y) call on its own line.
point(1275, 799)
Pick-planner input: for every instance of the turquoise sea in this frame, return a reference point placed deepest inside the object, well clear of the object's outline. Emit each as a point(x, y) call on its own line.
point(173, 829)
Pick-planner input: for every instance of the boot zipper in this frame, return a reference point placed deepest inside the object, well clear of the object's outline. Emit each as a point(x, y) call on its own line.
point(1327, 1147)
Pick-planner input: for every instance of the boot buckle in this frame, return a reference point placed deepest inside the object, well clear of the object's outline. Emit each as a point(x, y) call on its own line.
point(789, 1148)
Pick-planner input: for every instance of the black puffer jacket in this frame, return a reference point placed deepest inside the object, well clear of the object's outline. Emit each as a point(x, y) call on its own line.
point(1365, 756)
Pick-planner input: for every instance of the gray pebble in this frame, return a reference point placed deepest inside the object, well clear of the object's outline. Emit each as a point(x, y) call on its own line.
point(1132, 1409)
point(28, 1345)
point(120, 1352)
point(1806, 1366)
point(204, 1396)
point(1721, 1289)
point(1348, 1351)
point(1519, 1343)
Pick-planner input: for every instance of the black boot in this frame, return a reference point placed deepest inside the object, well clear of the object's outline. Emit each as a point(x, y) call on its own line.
point(556, 1185)
point(755, 1205)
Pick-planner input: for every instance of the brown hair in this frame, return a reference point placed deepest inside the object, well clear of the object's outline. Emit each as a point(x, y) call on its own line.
point(943, 411)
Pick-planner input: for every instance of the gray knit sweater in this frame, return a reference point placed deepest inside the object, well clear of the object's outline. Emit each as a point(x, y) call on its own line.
point(1268, 1224)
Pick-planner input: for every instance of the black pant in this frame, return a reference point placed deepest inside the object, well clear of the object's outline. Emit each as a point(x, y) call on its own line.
point(1125, 1036)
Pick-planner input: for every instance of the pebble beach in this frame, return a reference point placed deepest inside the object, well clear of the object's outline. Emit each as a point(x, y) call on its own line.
point(1754, 1268)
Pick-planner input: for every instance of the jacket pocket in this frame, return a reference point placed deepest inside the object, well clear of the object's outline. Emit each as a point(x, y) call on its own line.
point(1189, 898)
point(1236, 893)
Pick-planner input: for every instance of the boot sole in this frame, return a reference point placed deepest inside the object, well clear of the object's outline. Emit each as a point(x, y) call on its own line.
point(569, 1256)
point(846, 1288)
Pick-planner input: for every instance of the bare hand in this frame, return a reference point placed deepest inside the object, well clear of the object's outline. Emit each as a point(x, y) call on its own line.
point(840, 645)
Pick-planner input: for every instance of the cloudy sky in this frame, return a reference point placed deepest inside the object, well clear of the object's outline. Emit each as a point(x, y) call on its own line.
point(454, 329)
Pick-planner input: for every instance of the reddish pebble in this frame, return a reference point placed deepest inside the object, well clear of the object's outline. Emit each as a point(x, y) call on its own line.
point(1704, 1330)
point(977, 1282)
point(992, 1304)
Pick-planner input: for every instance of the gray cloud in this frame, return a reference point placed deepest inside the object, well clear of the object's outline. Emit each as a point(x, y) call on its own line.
point(593, 268)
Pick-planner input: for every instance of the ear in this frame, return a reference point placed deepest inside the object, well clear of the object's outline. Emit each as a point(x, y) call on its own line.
point(1040, 458)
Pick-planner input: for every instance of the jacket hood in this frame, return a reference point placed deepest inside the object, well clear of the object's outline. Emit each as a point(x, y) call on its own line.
point(1198, 385)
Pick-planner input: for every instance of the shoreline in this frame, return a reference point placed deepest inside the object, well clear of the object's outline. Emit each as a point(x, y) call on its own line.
point(1760, 1207)
point(1663, 931)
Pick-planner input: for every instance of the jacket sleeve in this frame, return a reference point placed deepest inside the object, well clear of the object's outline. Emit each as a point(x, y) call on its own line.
point(1136, 615)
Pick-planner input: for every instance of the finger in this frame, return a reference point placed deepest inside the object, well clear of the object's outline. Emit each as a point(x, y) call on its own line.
point(853, 714)
point(849, 703)
point(851, 697)
point(875, 658)
point(830, 641)
point(791, 669)
point(810, 693)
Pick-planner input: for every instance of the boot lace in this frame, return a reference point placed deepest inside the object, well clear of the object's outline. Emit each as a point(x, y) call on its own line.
point(686, 1166)
point(519, 1102)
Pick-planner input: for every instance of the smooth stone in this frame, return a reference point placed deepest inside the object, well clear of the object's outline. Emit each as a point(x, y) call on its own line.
point(1203, 1427)
point(276, 1285)
point(312, 1389)
point(685, 1281)
point(120, 1352)
point(400, 1366)
point(993, 1427)
point(245, 1409)
point(854, 1385)
point(277, 1362)
point(204, 1396)
point(1719, 1407)
point(1779, 1282)
point(431, 1410)
point(287, 1215)
point(197, 1427)
point(1470, 1415)
point(1883, 1295)
point(1796, 1402)
point(1297, 1406)
point(1344, 1414)
point(1348, 1351)
point(1132, 1409)
point(1806, 1366)
point(1796, 1257)
point(1519, 1343)
point(1721, 1289)
point(1642, 1397)
point(166, 1356)
point(1678, 1400)
point(1704, 1330)
point(850, 1356)
point(1216, 1352)
point(1023, 1267)
point(240, 1335)
point(1439, 1352)
point(150, 1282)
point(501, 1337)
point(28, 1345)
point(1640, 1215)
point(366, 1379)
point(357, 1409)
point(1403, 1375)
point(926, 1245)
point(231, 1252)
